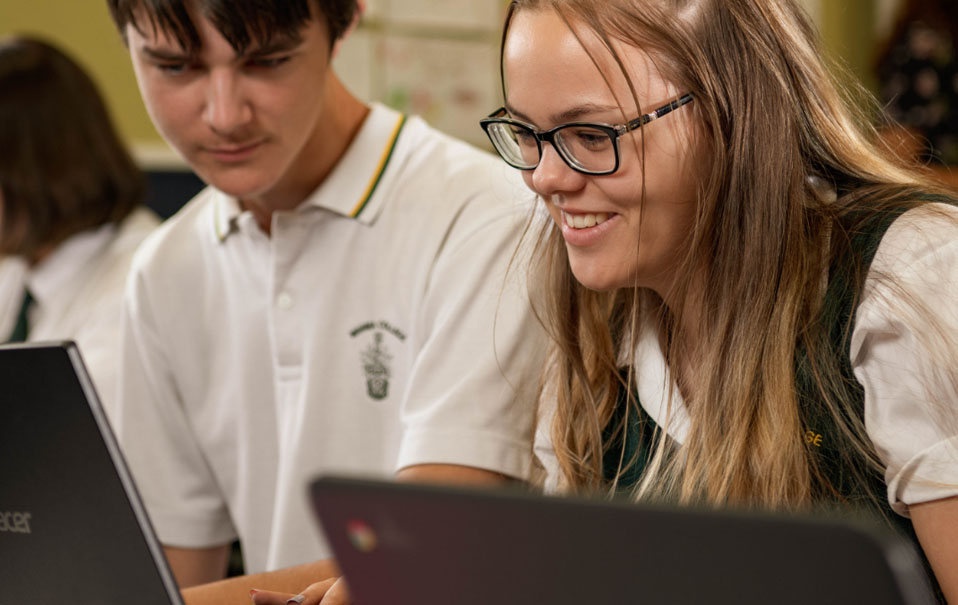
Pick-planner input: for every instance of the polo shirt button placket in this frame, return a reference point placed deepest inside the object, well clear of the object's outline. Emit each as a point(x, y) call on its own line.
point(287, 331)
point(284, 301)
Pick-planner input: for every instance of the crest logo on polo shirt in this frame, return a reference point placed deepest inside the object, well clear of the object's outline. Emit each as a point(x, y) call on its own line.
point(376, 359)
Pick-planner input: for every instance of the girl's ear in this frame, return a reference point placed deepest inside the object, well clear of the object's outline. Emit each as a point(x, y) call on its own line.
point(823, 191)
point(360, 9)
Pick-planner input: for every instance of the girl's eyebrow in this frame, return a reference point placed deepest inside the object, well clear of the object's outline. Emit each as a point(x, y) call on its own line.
point(569, 115)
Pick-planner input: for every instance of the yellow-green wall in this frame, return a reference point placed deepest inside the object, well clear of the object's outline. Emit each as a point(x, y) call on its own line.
point(85, 30)
point(848, 31)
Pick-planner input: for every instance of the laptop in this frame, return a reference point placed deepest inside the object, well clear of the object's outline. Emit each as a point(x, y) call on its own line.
point(72, 528)
point(431, 545)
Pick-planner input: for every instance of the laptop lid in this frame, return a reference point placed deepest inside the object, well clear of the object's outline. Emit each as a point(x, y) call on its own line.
point(72, 528)
point(431, 545)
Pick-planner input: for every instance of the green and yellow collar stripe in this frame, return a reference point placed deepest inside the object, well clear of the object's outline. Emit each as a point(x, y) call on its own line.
point(224, 226)
point(383, 162)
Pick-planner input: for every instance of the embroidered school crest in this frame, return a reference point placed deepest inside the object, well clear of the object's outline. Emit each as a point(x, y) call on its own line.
point(376, 367)
point(375, 357)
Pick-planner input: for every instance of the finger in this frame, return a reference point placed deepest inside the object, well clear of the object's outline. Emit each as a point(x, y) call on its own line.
point(266, 597)
point(338, 594)
point(313, 594)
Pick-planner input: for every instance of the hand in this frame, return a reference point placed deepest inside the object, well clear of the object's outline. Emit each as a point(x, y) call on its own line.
point(332, 591)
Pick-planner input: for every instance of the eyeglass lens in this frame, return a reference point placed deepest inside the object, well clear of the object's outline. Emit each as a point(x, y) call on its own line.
point(584, 147)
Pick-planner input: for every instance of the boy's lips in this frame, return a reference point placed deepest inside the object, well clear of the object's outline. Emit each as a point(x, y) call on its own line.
point(232, 153)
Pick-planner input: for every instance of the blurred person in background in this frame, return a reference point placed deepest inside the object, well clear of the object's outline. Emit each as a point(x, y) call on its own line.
point(918, 76)
point(70, 208)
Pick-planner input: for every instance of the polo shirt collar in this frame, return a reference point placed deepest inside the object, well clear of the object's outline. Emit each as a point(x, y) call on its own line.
point(226, 212)
point(66, 263)
point(666, 406)
point(353, 188)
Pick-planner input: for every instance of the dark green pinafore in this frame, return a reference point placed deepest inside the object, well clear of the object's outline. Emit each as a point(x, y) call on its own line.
point(854, 484)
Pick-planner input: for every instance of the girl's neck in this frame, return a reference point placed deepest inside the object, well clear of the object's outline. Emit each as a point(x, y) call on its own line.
point(683, 337)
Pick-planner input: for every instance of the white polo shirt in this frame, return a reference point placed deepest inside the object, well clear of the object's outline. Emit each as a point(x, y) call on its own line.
point(78, 293)
point(904, 365)
point(375, 329)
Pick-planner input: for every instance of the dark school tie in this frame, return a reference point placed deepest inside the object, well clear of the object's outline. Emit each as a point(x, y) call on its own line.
point(22, 328)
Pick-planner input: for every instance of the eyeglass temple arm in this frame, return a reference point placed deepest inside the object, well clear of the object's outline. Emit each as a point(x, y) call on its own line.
point(501, 112)
point(658, 113)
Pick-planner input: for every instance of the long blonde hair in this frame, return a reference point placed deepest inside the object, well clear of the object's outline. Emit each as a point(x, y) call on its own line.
point(772, 116)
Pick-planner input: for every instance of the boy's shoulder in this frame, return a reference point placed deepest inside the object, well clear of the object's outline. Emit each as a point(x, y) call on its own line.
point(179, 240)
point(454, 170)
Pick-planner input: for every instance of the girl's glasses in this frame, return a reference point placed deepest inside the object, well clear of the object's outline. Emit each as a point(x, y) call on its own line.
point(586, 147)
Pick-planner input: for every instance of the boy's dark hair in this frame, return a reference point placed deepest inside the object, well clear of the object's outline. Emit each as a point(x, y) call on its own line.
point(241, 22)
point(63, 169)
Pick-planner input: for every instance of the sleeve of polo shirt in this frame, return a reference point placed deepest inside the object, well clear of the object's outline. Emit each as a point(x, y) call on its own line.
point(543, 447)
point(171, 474)
point(98, 340)
point(905, 354)
point(470, 399)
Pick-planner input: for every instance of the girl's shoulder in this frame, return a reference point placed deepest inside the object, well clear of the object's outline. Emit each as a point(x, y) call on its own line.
point(924, 231)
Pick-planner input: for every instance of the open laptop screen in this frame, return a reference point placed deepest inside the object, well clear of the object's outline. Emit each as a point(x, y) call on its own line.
point(431, 545)
point(72, 528)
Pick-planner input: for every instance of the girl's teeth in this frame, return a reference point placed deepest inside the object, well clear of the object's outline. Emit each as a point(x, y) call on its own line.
point(584, 221)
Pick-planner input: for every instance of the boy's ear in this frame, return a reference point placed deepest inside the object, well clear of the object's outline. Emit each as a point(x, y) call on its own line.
point(360, 9)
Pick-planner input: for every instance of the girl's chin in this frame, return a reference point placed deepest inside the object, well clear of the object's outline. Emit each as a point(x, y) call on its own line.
point(599, 281)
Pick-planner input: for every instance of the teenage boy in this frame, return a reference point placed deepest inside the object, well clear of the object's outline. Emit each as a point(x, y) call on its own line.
point(335, 301)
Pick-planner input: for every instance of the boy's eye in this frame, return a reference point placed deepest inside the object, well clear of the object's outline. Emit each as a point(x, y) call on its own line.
point(172, 68)
point(269, 62)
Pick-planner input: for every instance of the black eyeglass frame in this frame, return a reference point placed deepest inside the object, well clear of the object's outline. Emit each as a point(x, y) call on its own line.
point(614, 131)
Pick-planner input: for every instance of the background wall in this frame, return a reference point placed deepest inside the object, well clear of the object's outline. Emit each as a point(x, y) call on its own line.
point(434, 58)
point(437, 58)
point(84, 28)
